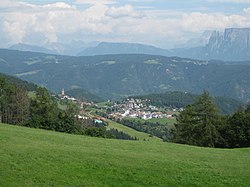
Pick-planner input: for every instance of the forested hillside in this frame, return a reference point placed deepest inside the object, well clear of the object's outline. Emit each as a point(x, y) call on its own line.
point(29, 86)
point(42, 111)
point(115, 76)
point(180, 99)
point(83, 95)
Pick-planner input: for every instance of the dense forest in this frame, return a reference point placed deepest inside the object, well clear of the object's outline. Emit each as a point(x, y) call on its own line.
point(201, 124)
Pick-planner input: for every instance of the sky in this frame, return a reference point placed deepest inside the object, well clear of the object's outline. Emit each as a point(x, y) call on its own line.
point(162, 23)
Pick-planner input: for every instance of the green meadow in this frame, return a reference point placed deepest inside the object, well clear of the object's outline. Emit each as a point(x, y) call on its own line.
point(132, 132)
point(34, 157)
point(162, 121)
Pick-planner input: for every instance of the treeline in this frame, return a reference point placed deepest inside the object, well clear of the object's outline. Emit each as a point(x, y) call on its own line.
point(121, 135)
point(29, 86)
point(178, 99)
point(201, 124)
point(14, 103)
point(152, 128)
point(42, 111)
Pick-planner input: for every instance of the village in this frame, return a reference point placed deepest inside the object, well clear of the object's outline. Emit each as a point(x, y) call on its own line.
point(126, 108)
point(139, 108)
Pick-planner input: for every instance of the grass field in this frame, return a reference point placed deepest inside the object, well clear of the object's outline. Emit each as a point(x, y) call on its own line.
point(131, 132)
point(33, 157)
point(162, 121)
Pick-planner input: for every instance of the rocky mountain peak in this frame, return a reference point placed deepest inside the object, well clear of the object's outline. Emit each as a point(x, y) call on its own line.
point(233, 44)
point(237, 37)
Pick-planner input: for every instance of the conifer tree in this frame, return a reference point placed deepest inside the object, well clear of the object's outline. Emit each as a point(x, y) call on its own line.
point(196, 125)
point(43, 110)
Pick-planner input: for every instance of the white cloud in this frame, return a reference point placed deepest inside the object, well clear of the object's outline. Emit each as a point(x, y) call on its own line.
point(95, 2)
point(247, 10)
point(58, 5)
point(123, 11)
point(197, 21)
point(57, 22)
point(10, 4)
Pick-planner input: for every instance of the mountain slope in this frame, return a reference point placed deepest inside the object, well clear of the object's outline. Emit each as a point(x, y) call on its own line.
point(180, 99)
point(232, 45)
point(83, 95)
point(21, 83)
point(115, 76)
point(33, 48)
point(33, 157)
point(122, 48)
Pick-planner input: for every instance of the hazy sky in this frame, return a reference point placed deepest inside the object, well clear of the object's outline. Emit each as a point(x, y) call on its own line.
point(163, 23)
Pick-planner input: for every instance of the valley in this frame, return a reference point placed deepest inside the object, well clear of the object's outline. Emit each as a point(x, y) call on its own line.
point(128, 74)
point(109, 93)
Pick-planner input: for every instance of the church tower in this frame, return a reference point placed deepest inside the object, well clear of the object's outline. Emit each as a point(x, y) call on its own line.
point(62, 94)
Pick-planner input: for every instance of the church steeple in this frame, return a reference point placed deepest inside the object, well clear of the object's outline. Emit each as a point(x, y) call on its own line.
point(62, 94)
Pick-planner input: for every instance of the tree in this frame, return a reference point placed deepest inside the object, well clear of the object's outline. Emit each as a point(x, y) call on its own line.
point(20, 108)
point(43, 110)
point(14, 103)
point(196, 125)
point(67, 123)
point(237, 131)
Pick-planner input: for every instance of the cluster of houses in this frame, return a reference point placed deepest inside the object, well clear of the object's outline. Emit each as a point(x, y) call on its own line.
point(134, 108)
point(138, 108)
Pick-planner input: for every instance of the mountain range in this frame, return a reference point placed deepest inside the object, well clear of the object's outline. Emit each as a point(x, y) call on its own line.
point(232, 45)
point(105, 48)
point(73, 48)
point(116, 76)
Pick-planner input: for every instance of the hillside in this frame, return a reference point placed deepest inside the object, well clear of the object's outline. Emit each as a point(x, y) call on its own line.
point(141, 136)
point(83, 95)
point(181, 99)
point(33, 48)
point(32, 157)
point(115, 76)
point(105, 48)
point(29, 86)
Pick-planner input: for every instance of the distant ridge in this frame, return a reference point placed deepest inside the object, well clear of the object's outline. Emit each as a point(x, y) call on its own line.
point(32, 48)
point(231, 45)
point(122, 48)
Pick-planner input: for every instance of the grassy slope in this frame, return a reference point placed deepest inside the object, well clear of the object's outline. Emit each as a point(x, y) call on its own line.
point(162, 121)
point(32, 157)
point(131, 132)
